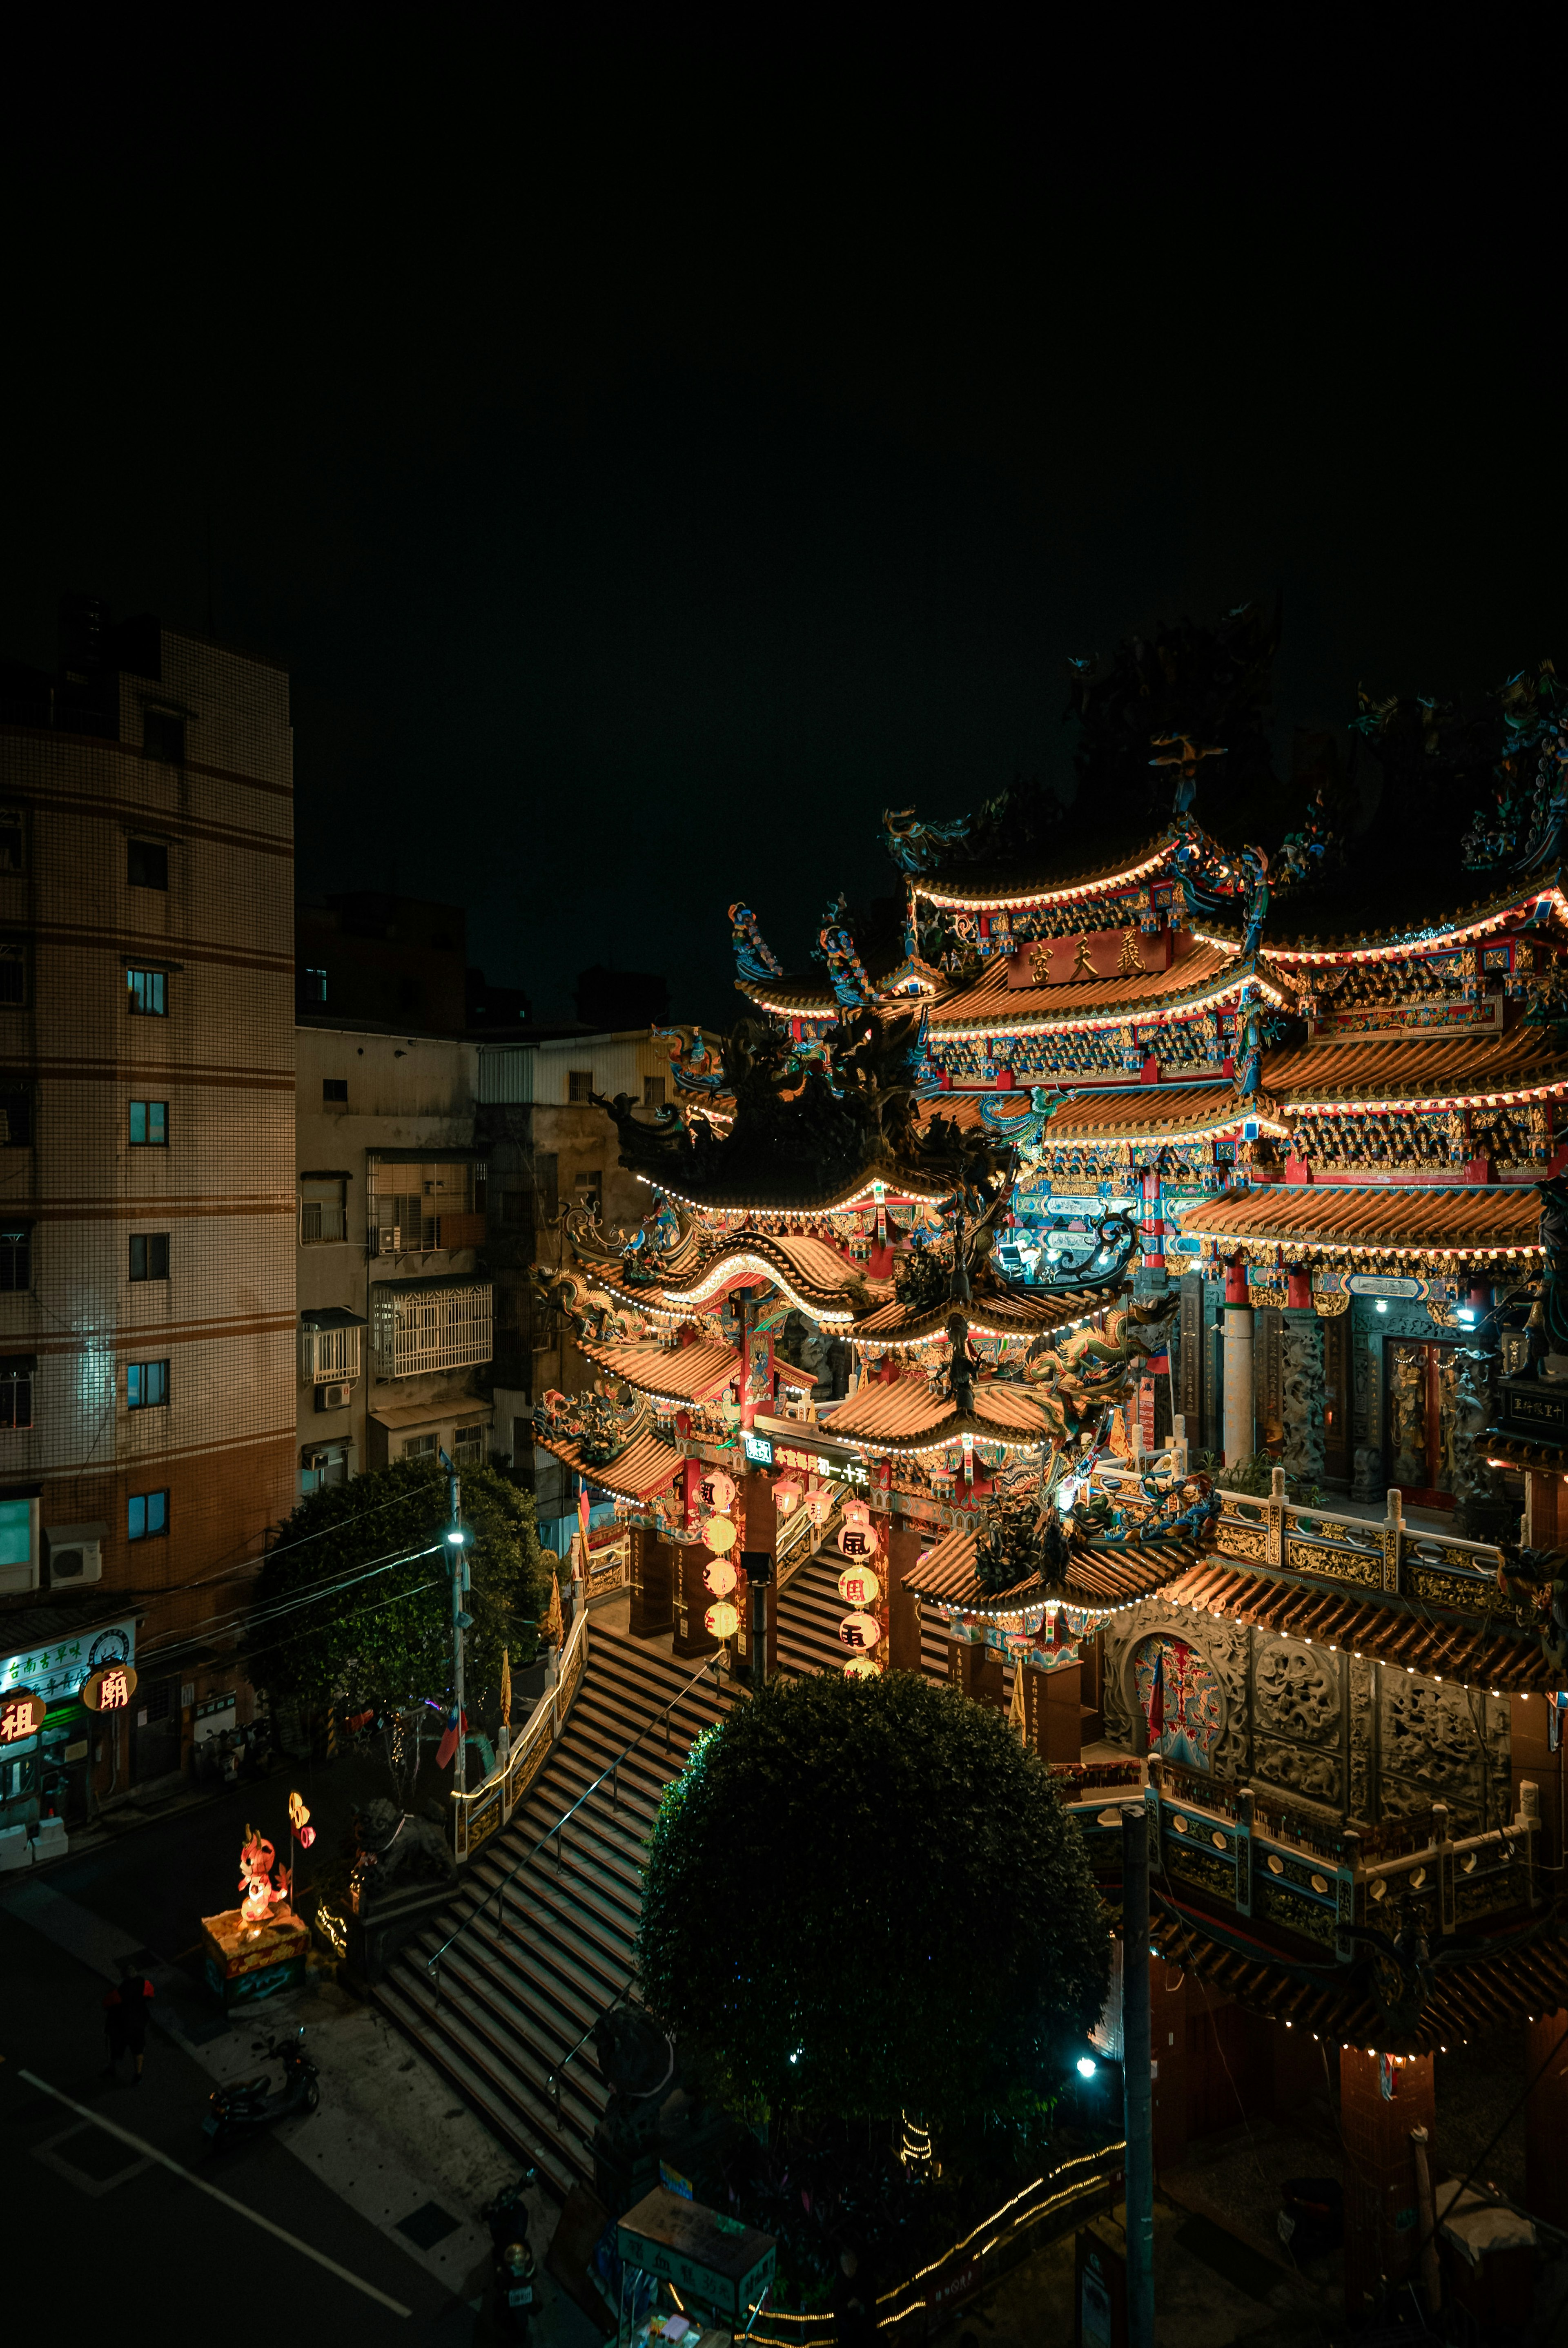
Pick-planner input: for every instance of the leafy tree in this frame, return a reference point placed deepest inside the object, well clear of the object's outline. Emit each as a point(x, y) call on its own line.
point(336, 1613)
point(863, 1895)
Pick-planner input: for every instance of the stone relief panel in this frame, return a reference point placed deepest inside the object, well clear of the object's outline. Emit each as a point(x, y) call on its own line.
point(1363, 1740)
point(1434, 1748)
point(1117, 1703)
point(1225, 1647)
point(1303, 1403)
point(1299, 1769)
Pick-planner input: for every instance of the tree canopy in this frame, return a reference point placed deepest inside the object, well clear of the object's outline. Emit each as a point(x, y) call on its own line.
point(354, 1596)
point(863, 1895)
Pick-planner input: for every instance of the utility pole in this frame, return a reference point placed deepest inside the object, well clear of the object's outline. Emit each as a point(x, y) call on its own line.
point(1137, 2078)
point(458, 1551)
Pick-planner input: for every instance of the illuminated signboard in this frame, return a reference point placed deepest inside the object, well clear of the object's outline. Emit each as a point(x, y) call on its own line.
point(21, 1716)
point(758, 1448)
point(59, 1669)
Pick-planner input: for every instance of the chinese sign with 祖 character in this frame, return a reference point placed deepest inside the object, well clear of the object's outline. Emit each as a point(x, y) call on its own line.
point(21, 1716)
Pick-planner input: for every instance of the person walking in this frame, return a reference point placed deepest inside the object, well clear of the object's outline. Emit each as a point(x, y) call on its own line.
point(125, 2015)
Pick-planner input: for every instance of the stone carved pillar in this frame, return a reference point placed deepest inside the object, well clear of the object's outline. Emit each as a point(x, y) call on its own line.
point(1303, 1400)
point(1381, 2099)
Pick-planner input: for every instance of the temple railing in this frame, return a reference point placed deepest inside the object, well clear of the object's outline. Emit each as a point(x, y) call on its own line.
point(1226, 1848)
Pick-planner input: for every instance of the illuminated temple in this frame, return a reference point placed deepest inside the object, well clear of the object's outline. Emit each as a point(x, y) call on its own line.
point(1125, 1275)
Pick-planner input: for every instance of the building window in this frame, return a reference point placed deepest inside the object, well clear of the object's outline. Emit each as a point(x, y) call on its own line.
point(421, 1447)
point(146, 1514)
point(589, 1185)
point(334, 1089)
point(578, 1085)
point(163, 735)
point(16, 1255)
point(147, 864)
point(145, 990)
point(468, 1443)
point(322, 1215)
point(12, 971)
point(329, 1356)
point(146, 1384)
point(150, 1255)
point(17, 1109)
point(323, 1464)
point(653, 1092)
point(429, 1324)
point(12, 840)
point(16, 1389)
point(150, 1125)
point(316, 985)
point(513, 1206)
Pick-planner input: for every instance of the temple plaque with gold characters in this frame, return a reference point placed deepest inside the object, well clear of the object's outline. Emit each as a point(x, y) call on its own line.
point(111, 1689)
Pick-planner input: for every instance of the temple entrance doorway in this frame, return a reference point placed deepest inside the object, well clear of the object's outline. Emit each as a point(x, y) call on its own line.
point(1423, 1412)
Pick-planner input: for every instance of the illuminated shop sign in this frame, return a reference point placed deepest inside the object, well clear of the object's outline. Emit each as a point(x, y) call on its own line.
point(57, 1669)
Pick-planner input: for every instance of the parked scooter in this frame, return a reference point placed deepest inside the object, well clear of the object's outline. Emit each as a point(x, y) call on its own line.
point(250, 2105)
point(511, 2260)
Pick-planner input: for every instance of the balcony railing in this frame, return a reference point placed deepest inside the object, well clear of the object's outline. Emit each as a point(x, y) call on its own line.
point(328, 1357)
point(417, 1326)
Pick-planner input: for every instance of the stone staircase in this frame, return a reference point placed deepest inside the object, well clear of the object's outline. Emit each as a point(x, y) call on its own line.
point(517, 1992)
point(515, 1997)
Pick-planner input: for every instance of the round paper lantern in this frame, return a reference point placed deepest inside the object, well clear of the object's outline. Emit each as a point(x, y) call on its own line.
point(788, 1492)
point(858, 1540)
point(819, 1507)
point(859, 1631)
point(855, 1513)
point(860, 1667)
point(719, 1533)
point(858, 1586)
point(717, 1490)
point(719, 1577)
point(722, 1622)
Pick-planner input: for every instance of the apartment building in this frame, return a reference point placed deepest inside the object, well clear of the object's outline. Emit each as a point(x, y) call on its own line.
point(549, 1148)
point(396, 1308)
point(146, 1153)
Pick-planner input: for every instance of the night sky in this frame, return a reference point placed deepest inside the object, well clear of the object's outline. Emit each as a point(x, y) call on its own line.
point(651, 461)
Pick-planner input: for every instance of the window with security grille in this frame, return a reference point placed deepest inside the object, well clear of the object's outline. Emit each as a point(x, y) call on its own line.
point(16, 1389)
point(324, 1215)
point(148, 993)
point(418, 1326)
point(16, 1255)
point(578, 1085)
point(146, 1384)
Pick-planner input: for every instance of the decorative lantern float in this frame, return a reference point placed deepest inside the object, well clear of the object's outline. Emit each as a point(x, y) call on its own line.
point(858, 1586)
point(859, 1631)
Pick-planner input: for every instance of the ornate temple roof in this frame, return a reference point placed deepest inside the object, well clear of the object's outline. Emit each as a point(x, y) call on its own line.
point(1400, 1636)
point(789, 1194)
point(1426, 1068)
point(1294, 934)
point(906, 1415)
point(1098, 1577)
point(991, 1312)
point(672, 1374)
point(1208, 975)
point(813, 1275)
point(1469, 1222)
point(645, 1467)
point(1059, 881)
point(1161, 1113)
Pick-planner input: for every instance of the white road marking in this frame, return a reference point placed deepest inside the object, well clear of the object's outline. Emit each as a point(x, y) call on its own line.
point(139, 2144)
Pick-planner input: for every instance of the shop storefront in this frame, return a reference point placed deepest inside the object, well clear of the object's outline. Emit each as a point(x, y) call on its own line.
point(47, 1759)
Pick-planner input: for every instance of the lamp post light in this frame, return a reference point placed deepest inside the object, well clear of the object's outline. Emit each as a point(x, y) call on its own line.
point(457, 1539)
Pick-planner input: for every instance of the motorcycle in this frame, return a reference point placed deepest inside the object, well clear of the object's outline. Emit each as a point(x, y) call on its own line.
point(248, 2104)
point(511, 2260)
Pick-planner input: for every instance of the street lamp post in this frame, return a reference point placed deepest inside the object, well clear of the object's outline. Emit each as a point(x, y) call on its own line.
point(458, 1548)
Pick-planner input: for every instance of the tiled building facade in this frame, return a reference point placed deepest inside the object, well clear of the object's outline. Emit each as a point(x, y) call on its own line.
point(147, 1314)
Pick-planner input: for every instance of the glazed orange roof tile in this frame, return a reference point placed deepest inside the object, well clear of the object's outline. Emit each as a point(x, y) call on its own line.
point(1469, 1220)
point(677, 1373)
point(1427, 1067)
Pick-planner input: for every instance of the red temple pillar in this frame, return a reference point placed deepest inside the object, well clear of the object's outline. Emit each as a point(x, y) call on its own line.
point(901, 1545)
point(1381, 2099)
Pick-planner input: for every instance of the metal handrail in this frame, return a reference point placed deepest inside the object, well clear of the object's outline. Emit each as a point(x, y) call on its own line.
point(555, 1831)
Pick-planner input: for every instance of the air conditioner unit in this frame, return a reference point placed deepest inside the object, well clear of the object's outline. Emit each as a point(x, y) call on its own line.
point(334, 1398)
point(75, 1552)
